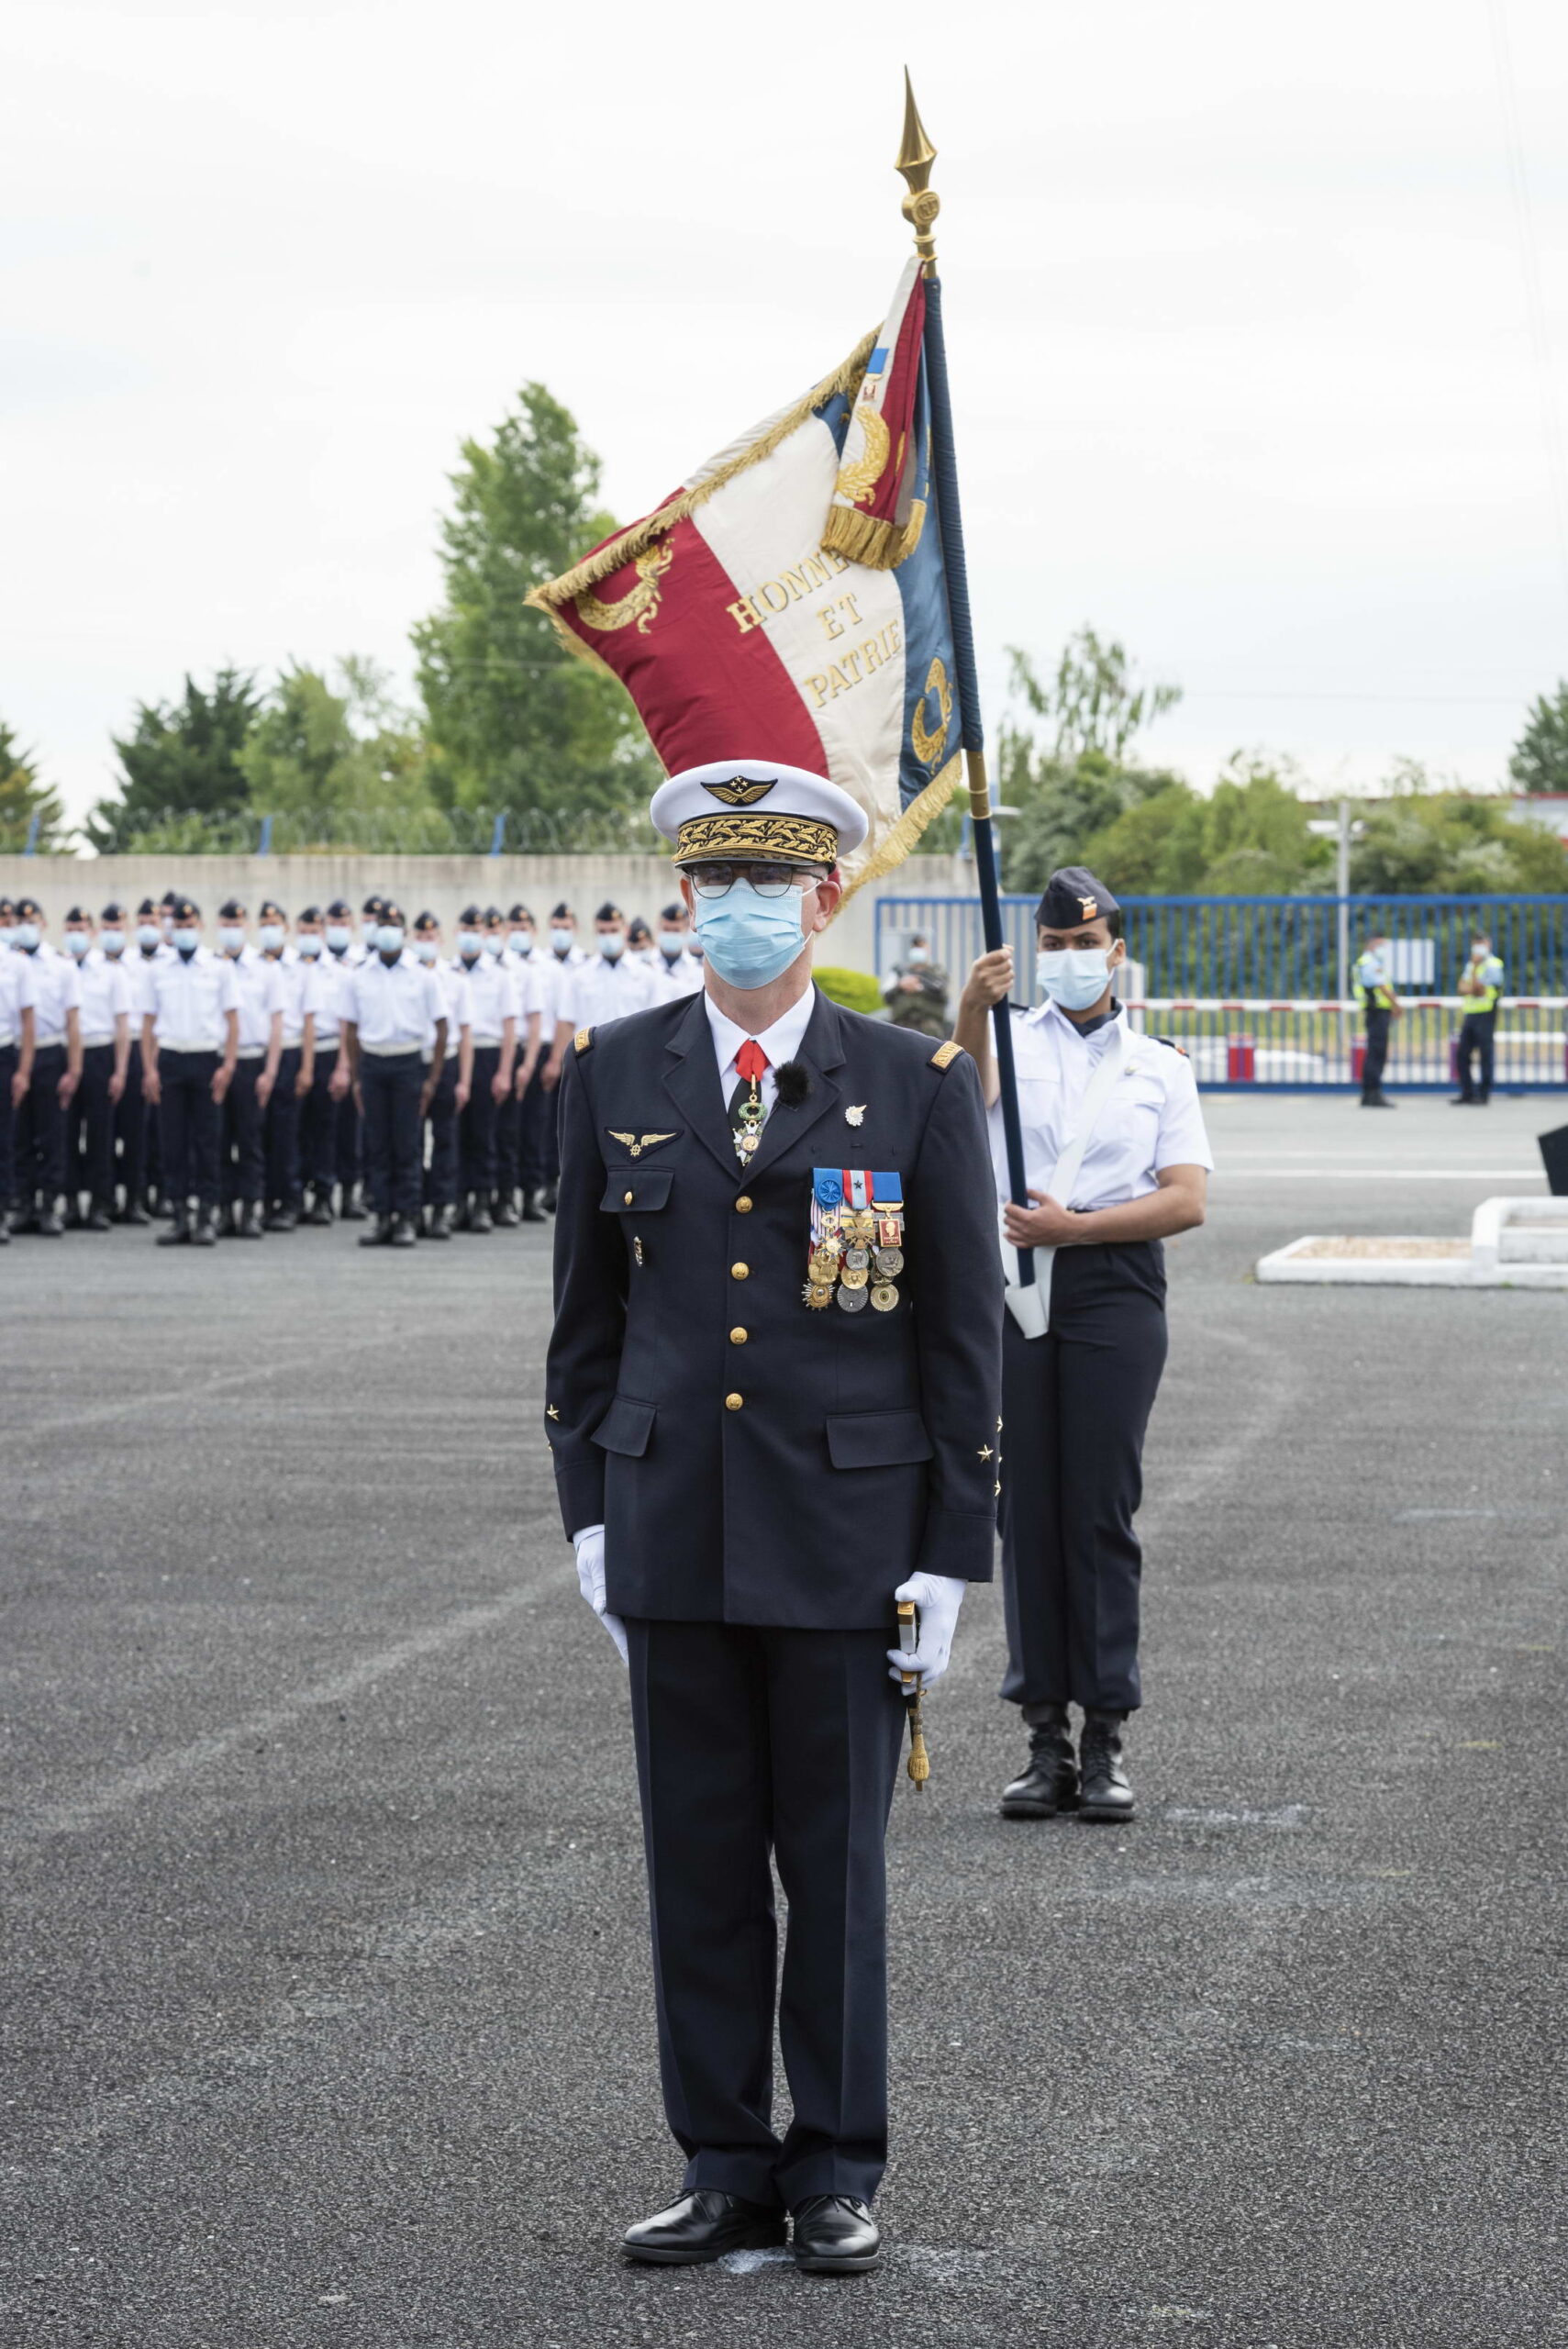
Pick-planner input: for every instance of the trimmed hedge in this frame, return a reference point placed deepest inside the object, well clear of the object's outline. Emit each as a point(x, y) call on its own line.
point(856, 990)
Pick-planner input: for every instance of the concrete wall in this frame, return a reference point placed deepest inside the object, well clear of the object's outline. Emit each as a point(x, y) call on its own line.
point(444, 883)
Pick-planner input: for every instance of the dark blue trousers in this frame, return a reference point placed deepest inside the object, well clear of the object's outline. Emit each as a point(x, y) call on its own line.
point(392, 1085)
point(242, 1165)
point(319, 1119)
point(1075, 1405)
point(282, 1140)
point(1477, 1032)
point(90, 1138)
point(42, 1131)
point(477, 1125)
point(132, 1121)
point(8, 1126)
point(190, 1122)
point(440, 1174)
point(749, 1743)
point(510, 1140)
point(537, 1124)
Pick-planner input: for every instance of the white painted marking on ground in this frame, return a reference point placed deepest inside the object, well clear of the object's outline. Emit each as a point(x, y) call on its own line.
point(1284, 1814)
point(1386, 1173)
point(746, 2263)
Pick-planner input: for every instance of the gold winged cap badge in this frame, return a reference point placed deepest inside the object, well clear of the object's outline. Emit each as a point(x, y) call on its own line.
point(739, 792)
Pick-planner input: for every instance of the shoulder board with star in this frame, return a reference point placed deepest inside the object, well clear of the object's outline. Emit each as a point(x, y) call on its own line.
point(945, 1055)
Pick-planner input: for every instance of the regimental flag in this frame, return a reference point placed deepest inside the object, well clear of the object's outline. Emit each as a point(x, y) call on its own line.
point(789, 601)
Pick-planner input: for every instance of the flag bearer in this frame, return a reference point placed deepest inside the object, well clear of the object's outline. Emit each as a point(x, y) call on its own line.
point(448, 1097)
point(189, 1046)
point(1374, 981)
point(18, 993)
point(40, 1130)
point(390, 1006)
point(1480, 983)
point(242, 1155)
point(106, 1049)
point(300, 988)
point(1116, 1160)
point(767, 1428)
point(490, 1001)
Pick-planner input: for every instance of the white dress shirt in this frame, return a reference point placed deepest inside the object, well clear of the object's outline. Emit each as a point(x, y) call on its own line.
point(453, 999)
point(18, 993)
point(106, 996)
point(674, 976)
point(330, 977)
point(261, 987)
point(393, 1005)
point(601, 990)
point(488, 993)
point(190, 1001)
point(780, 1042)
point(1150, 1119)
point(57, 986)
point(298, 985)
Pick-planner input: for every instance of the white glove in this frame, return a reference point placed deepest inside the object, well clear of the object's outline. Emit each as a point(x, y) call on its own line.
point(590, 1547)
point(937, 1598)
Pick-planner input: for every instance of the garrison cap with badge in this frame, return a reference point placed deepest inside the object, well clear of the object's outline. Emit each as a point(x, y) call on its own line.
point(77, 913)
point(777, 1329)
point(184, 909)
point(231, 911)
point(1072, 897)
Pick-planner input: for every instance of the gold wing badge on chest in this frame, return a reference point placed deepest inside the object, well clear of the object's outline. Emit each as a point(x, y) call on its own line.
point(634, 1143)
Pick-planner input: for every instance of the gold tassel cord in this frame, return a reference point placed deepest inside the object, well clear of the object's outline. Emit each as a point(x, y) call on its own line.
point(920, 1764)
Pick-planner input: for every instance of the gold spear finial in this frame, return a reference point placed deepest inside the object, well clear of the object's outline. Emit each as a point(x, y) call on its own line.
point(916, 156)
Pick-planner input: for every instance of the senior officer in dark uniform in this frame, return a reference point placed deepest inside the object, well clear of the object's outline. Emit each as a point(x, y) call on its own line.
point(773, 1396)
point(1117, 1159)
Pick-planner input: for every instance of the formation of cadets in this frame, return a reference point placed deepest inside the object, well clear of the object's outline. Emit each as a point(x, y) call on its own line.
point(298, 1070)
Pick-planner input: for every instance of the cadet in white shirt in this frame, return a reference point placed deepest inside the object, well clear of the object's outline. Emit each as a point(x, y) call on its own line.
point(1117, 1159)
point(106, 1049)
point(527, 962)
point(677, 970)
point(608, 985)
point(392, 1004)
point(40, 1126)
point(450, 1097)
point(242, 1152)
point(301, 987)
point(190, 1044)
point(566, 958)
point(490, 995)
point(499, 935)
point(18, 991)
point(344, 953)
point(136, 1121)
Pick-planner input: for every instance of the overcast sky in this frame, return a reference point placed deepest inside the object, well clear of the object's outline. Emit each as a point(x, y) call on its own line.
point(1245, 360)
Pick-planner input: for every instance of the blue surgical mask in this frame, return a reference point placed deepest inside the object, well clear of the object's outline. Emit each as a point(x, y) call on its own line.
point(269, 937)
point(230, 938)
point(493, 941)
point(561, 941)
point(612, 946)
point(671, 943)
point(309, 947)
point(26, 935)
point(425, 949)
point(749, 939)
point(520, 942)
point(149, 935)
point(389, 937)
point(112, 941)
point(1074, 976)
point(77, 943)
point(469, 947)
point(337, 937)
point(918, 954)
point(188, 941)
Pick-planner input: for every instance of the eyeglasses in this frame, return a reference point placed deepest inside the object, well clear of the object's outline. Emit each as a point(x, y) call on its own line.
point(768, 880)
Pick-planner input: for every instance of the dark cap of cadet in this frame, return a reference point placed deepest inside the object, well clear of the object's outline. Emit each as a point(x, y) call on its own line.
point(310, 913)
point(1073, 896)
point(373, 905)
point(231, 911)
point(145, 910)
point(425, 921)
point(113, 911)
point(519, 913)
point(30, 909)
point(337, 909)
point(470, 918)
point(185, 909)
point(391, 913)
point(270, 905)
point(169, 900)
point(77, 913)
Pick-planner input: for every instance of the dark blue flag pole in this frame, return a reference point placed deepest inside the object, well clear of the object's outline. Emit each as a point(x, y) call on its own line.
point(921, 206)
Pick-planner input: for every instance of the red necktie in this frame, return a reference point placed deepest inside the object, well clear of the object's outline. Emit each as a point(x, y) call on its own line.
point(750, 1060)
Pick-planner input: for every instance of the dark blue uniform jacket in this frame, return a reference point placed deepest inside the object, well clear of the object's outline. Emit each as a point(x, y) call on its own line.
point(859, 1447)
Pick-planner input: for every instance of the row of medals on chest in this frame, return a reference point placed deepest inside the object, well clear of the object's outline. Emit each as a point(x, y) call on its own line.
point(856, 1256)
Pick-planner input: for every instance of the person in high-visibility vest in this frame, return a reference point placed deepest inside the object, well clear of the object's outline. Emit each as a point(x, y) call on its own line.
point(1373, 981)
point(1481, 985)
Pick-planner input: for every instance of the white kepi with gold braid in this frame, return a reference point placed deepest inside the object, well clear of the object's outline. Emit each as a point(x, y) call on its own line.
point(755, 808)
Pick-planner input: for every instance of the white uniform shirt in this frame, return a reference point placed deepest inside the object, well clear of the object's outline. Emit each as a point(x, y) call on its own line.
point(57, 989)
point(394, 1005)
point(333, 973)
point(18, 993)
point(105, 995)
point(453, 998)
point(1149, 1121)
point(190, 1001)
point(488, 994)
point(560, 972)
point(674, 976)
point(600, 991)
point(780, 1042)
point(260, 989)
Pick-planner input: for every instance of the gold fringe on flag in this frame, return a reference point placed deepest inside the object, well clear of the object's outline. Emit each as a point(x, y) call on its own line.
point(900, 837)
point(863, 538)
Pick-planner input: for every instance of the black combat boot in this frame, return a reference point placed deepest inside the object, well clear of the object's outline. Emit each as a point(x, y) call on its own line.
point(1050, 1781)
point(504, 1213)
point(251, 1220)
point(1107, 1793)
point(283, 1219)
point(479, 1217)
point(533, 1211)
point(402, 1232)
point(99, 1216)
point(440, 1224)
point(354, 1209)
point(178, 1232)
point(204, 1232)
point(320, 1209)
point(381, 1236)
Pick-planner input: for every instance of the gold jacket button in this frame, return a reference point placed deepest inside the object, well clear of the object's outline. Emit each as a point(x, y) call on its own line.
point(740, 1271)
point(742, 1206)
point(628, 1198)
point(733, 1402)
point(738, 1337)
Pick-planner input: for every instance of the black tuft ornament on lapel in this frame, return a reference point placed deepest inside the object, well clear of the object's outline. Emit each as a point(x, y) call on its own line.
point(794, 1082)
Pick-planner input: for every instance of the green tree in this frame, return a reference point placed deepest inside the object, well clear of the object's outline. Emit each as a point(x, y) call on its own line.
point(1540, 761)
point(1062, 753)
point(1249, 836)
point(24, 798)
point(1445, 843)
point(182, 776)
point(345, 765)
point(1091, 703)
point(515, 720)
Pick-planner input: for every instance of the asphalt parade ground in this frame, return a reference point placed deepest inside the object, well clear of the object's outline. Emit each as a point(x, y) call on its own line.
point(327, 2014)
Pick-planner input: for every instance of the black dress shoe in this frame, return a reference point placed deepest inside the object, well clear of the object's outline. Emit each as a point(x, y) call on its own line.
point(179, 1231)
point(402, 1233)
point(479, 1218)
point(320, 1213)
point(1106, 1792)
point(202, 1231)
point(134, 1214)
point(504, 1213)
point(835, 2235)
point(547, 1197)
point(281, 1219)
point(49, 1226)
point(381, 1236)
point(353, 1209)
point(701, 2226)
point(440, 1224)
point(533, 1211)
point(1049, 1779)
point(99, 1217)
